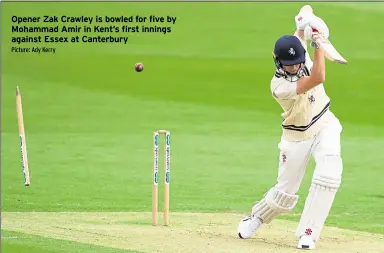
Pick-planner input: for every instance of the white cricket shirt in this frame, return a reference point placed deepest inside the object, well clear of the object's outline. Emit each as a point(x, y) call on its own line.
point(305, 114)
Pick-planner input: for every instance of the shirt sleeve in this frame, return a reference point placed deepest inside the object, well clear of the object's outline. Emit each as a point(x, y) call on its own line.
point(285, 89)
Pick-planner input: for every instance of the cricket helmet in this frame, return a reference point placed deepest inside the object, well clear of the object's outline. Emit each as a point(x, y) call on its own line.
point(289, 51)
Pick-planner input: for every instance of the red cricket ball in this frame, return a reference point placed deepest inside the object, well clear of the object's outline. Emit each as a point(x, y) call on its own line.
point(139, 67)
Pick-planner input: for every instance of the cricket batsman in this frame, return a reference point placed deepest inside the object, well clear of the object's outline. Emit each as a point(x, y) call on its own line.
point(309, 128)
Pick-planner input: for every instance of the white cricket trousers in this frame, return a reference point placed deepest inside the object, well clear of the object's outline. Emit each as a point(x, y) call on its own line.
point(294, 156)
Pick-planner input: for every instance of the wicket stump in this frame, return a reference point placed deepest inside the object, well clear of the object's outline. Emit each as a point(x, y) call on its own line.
point(23, 144)
point(167, 170)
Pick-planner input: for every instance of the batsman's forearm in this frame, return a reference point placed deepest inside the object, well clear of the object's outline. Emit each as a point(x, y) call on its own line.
point(300, 34)
point(318, 68)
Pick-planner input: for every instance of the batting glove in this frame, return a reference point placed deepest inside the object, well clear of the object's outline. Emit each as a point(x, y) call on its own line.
point(302, 20)
point(311, 35)
point(319, 25)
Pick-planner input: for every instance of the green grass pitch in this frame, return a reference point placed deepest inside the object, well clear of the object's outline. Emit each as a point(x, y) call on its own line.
point(89, 117)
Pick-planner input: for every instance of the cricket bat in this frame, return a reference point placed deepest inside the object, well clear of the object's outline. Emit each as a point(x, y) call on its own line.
point(330, 51)
point(23, 144)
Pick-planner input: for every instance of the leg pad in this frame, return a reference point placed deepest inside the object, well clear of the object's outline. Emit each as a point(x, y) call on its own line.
point(274, 203)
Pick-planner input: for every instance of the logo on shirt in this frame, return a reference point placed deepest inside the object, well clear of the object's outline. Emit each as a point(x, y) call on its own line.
point(311, 99)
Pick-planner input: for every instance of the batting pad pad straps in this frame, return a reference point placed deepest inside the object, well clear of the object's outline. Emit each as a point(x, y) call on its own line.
point(327, 181)
point(274, 203)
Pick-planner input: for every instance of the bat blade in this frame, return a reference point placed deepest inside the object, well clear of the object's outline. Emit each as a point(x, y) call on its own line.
point(330, 51)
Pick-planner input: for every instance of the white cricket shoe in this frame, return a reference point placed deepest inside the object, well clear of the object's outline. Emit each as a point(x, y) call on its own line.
point(306, 242)
point(248, 226)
